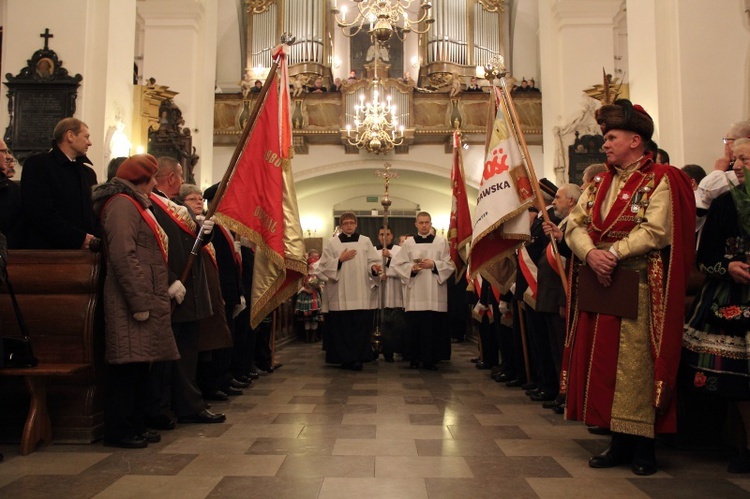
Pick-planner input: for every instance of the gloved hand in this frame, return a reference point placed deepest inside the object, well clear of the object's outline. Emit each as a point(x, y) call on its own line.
point(479, 309)
point(206, 223)
point(503, 307)
point(237, 247)
point(177, 291)
point(141, 316)
point(239, 308)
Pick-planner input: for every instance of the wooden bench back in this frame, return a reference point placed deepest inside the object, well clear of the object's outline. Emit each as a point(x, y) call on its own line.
point(57, 292)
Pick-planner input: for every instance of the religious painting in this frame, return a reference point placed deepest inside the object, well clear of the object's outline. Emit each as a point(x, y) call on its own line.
point(363, 51)
point(44, 68)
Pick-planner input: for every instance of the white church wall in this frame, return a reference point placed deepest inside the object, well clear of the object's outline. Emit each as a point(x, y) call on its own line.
point(229, 63)
point(92, 37)
point(525, 43)
point(180, 52)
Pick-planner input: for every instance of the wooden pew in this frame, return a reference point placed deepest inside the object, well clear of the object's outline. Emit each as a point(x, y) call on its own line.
point(58, 293)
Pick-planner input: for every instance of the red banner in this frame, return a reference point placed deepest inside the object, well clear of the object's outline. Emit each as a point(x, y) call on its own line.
point(459, 230)
point(260, 203)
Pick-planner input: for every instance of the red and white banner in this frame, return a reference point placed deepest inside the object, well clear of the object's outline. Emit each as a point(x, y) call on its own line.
point(501, 220)
point(459, 230)
point(260, 203)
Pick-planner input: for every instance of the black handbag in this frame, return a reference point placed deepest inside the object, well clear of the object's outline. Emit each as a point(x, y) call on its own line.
point(16, 352)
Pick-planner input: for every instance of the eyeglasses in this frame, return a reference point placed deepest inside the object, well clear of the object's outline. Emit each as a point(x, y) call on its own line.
point(728, 140)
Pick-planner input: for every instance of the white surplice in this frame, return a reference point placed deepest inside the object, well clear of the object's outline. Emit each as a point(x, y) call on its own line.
point(428, 289)
point(348, 287)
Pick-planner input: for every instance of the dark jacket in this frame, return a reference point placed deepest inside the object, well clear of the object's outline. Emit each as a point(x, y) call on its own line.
point(11, 214)
point(197, 303)
point(136, 280)
point(56, 197)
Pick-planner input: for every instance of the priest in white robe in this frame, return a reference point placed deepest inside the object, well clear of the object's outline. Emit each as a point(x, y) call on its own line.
point(424, 265)
point(351, 267)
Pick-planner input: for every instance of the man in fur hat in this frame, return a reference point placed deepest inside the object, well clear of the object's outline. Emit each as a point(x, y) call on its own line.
point(620, 372)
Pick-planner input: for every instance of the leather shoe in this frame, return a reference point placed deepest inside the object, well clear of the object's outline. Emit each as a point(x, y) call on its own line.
point(218, 396)
point(608, 459)
point(559, 409)
point(644, 467)
point(514, 383)
point(233, 392)
point(529, 386)
point(236, 383)
point(161, 422)
point(253, 375)
point(151, 437)
point(599, 430)
point(529, 393)
point(502, 377)
point(482, 365)
point(242, 378)
point(134, 442)
point(474, 359)
point(203, 417)
point(542, 396)
point(550, 404)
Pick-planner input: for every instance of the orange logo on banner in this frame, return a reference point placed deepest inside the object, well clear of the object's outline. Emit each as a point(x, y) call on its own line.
point(495, 166)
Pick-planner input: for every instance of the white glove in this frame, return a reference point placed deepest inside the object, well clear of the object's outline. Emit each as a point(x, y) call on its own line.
point(513, 288)
point(479, 308)
point(141, 316)
point(503, 307)
point(177, 291)
point(239, 308)
point(237, 247)
point(207, 224)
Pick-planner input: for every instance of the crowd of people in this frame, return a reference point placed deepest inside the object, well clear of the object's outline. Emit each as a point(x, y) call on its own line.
point(594, 327)
point(177, 335)
point(615, 350)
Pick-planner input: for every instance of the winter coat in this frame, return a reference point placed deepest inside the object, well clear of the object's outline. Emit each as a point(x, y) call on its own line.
point(136, 281)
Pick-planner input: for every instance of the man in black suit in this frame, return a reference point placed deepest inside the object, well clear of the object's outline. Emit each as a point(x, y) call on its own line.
point(56, 191)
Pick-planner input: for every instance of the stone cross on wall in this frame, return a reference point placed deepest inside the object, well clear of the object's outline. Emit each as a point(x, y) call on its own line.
point(46, 35)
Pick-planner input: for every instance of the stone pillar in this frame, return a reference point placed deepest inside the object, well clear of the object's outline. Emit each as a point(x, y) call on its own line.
point(687, 65)
point(576, 40)
point(91, 37)
point(179, 51)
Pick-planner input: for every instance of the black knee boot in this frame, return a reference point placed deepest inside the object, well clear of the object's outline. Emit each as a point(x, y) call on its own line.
point(619, 452)
point(644, 456)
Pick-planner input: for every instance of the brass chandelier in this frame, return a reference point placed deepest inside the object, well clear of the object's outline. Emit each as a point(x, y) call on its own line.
point(376, 126)
point(383, 17)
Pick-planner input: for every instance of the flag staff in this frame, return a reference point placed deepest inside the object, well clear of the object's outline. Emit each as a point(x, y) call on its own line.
point(286, 39)
point(377, 335)
point(496, 69)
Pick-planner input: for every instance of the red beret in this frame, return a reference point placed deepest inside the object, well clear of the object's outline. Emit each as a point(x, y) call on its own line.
point(138, 169)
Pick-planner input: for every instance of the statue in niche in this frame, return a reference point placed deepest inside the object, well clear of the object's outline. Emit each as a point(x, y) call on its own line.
point(298, 86)
point(455, 85)
point(173, 139)
point(246, 84)
point(377, 50)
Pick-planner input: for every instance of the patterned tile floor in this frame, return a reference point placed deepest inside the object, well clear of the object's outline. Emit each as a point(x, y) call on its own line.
point(312, 431)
